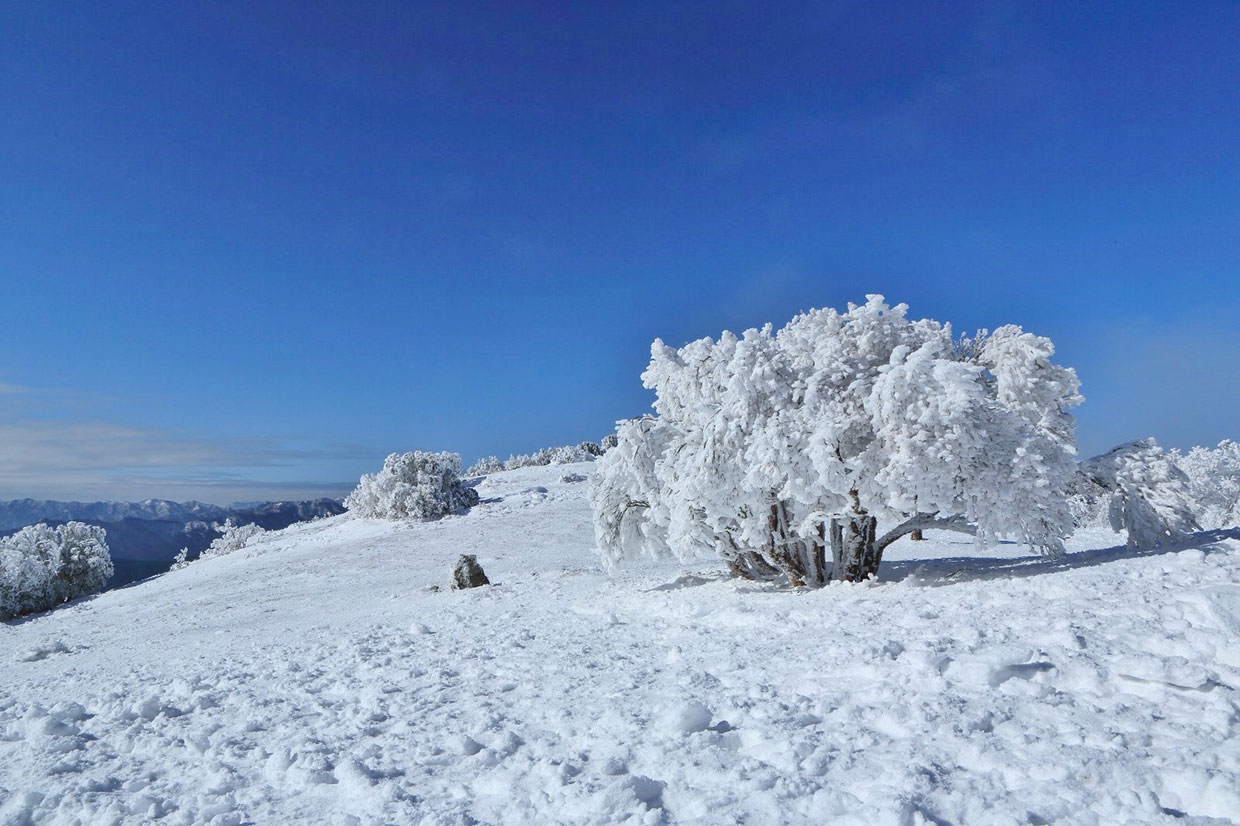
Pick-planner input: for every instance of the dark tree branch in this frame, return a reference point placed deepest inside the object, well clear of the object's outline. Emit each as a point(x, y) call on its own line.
point(924, 521)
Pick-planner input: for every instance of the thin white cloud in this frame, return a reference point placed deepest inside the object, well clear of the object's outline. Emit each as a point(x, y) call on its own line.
point(44, 457)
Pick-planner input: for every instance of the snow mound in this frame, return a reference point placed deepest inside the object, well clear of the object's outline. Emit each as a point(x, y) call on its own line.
point(323, 678)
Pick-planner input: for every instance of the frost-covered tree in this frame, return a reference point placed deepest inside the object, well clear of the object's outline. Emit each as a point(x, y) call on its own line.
point(1088, 502)
point(568, 454)
point(42, 567)
point(1214, 482)
point(1148, 495)
point(413, 485)
point(771, 448)
point(485, 466)
point(233, 537)
point(85, 561)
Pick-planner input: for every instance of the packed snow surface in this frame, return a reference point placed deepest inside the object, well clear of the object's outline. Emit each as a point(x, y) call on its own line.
point(320, 677)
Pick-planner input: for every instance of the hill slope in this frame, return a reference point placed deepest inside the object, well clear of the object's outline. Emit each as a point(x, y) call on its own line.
point(317, 678)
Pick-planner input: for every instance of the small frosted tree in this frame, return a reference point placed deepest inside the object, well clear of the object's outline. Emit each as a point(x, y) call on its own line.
point(1214, 482)
point(233, 537)
point(85, 562)
point(485, 466)
point(1149, 494)
point(413, 485)
point(42, 567)
point(773, 449)
point(567, 454)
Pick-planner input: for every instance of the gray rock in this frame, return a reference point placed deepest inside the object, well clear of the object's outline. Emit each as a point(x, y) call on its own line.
point(468, 573)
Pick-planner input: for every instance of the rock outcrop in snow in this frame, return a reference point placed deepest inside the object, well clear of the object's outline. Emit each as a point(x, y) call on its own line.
point(467, 573)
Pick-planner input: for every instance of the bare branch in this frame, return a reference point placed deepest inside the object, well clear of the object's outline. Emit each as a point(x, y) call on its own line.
point(924, 521)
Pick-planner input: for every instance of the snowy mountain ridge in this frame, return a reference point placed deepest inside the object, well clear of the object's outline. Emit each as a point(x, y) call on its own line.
point(18, 513)
point(324, 674)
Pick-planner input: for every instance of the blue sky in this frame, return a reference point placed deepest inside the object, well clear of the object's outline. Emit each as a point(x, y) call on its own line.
point(246, 250)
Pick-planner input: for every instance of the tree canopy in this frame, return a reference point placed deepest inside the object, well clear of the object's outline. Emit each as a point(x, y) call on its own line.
point(769, 447)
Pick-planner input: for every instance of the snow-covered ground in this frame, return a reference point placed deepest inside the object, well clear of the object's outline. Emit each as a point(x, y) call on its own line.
point(319, 678)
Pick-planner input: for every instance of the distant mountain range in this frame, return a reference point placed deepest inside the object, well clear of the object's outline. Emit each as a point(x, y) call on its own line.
point(19, 513)
point(144, 537)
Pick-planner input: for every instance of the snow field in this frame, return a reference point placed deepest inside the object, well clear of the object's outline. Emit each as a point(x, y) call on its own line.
point(317, 678)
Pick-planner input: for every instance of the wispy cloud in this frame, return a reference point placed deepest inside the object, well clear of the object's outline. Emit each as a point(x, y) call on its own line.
point(45, 456)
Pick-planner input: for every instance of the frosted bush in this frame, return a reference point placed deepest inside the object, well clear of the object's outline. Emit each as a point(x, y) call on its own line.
point(413, 485)
point(772, 447)
point(568, 454)
point(42, 567)
point(1214, 483)
point(550, 456)
point(485, 466)
point(1149, 495)
point(1087, 500)
point(232, 538)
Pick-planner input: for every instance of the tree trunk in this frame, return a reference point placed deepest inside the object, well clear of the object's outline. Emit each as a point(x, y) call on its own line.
point(751, 565)
point(854, 555)
point(803, 560)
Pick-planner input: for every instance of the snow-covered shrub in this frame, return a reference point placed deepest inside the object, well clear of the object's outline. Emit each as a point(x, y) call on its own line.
point(413, 485)
point(1087, 500)
point(568, 454)
point(1149, 495)
point(772, 447)
point(233, 537)
point(85, 561)
point(41, 566)
point(609, 441)
point(485, 466)
point(550, 456)
point(181, 560)
point(1214, 483)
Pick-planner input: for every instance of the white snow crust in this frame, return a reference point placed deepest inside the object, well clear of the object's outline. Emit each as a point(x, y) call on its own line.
point(317, 676)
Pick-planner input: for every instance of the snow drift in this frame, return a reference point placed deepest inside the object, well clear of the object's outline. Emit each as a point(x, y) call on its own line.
point(328, 676)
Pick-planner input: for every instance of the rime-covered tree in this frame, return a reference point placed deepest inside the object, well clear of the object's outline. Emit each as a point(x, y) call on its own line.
point(42, 567)
point(485, 466)
point(413, 485)
point(1214, 482)
point(771, 448)
point(233, 537)
point(1149, 494)
point(568, 454)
